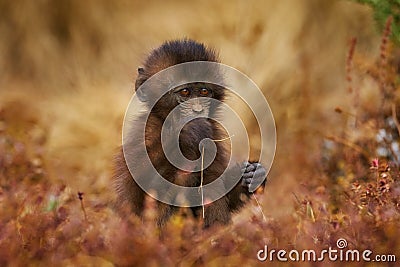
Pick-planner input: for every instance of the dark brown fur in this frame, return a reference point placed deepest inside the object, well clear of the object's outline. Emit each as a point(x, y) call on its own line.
point(129, 193)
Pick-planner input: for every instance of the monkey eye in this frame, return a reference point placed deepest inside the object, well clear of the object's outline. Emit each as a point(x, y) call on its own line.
point(184, 92)
point(204, 91)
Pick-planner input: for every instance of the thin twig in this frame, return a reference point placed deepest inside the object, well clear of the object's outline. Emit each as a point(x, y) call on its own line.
point(201, 181)
point(384, 59)
point(349, 63)
point(80, 196)
point(342, 141)
point(394, 116)
point(226, 138)
point(259, 206)
point(349, 69)
point(202, 172)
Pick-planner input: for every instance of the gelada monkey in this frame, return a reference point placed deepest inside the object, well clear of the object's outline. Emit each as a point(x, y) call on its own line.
point(192, 99)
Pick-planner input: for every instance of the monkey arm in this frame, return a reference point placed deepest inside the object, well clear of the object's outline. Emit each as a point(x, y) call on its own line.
point(128, 192)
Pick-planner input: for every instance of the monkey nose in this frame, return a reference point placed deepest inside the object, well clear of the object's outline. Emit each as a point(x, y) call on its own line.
point(197, 107)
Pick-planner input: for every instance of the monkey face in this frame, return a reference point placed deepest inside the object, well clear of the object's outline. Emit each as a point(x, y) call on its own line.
point(191, 100)
point(194, 99)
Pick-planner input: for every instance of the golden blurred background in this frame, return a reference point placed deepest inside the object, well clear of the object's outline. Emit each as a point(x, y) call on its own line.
point(67, 70)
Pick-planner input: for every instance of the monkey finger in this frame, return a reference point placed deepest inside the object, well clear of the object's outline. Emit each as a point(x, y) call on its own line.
point(245, 164)
point(257, 165)
point(243, 169)
point(246, 181)
point(248, 175)
point(250, 168)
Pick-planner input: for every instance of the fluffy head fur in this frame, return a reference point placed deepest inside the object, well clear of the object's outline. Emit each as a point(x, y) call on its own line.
point(172, 53)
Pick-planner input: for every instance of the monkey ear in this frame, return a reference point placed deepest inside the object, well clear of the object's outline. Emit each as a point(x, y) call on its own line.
point(141, 95)
point(139, 81)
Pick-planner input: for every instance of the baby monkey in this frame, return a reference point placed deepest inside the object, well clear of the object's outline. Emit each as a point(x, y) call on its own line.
point(191, 105)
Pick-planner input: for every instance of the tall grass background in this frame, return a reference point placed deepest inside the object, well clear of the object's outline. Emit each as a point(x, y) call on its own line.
point(67, 70)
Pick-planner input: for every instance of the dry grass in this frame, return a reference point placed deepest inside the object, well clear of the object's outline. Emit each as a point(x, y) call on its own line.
point(66, 76)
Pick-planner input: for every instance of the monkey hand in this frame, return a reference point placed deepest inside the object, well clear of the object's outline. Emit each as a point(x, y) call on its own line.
point(254, 175)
